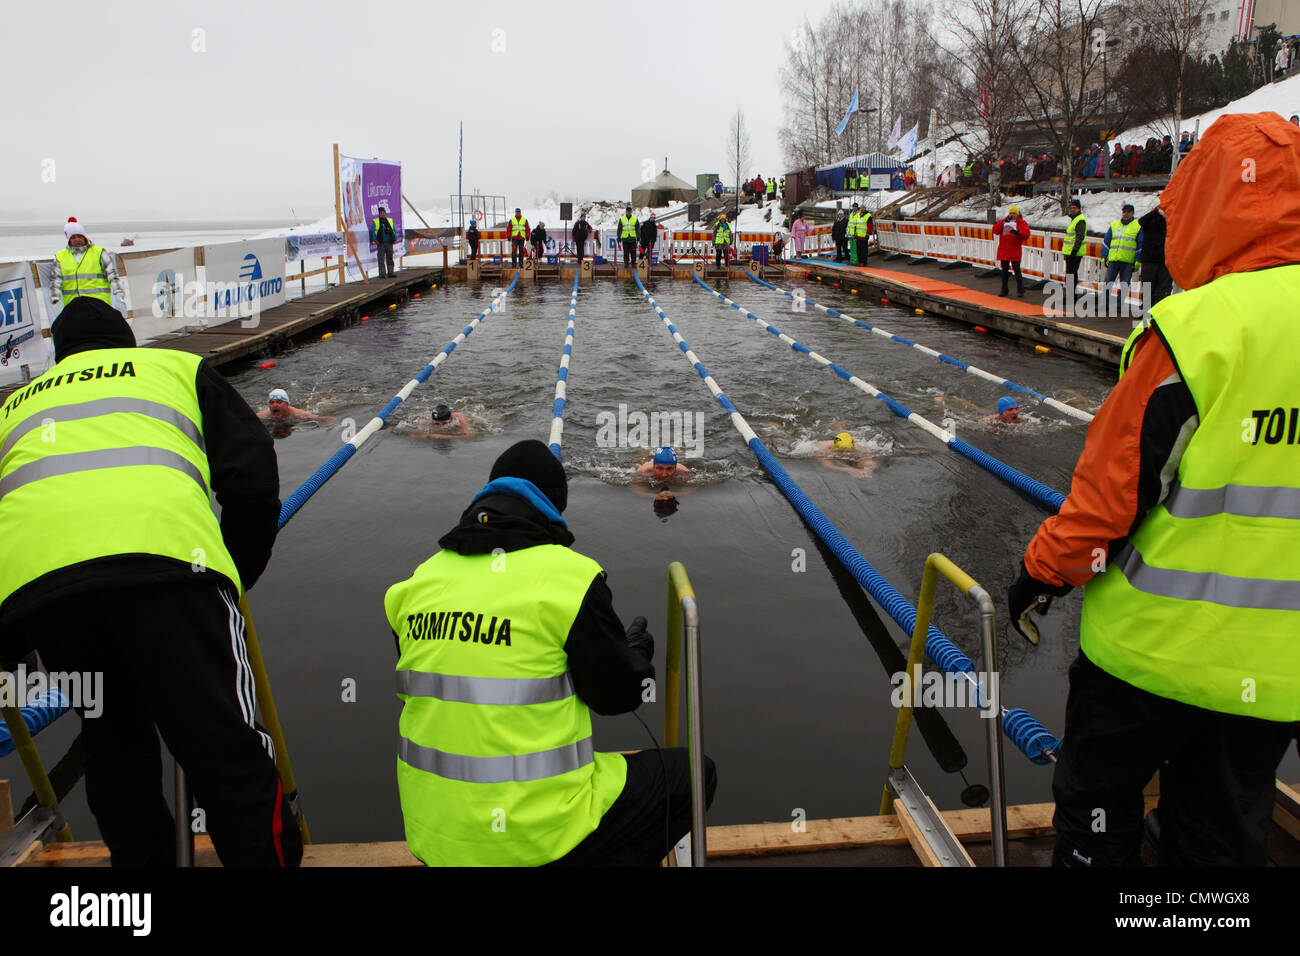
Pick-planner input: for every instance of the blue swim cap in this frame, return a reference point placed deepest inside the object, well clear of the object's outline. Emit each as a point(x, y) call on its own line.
point(1006, 402)
point(665, 456)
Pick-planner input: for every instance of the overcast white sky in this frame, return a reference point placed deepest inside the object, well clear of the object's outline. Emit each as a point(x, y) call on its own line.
point(138, 124)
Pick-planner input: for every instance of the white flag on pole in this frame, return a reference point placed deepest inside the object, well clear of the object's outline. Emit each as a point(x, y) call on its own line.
point(908, 141)
point(893, 136)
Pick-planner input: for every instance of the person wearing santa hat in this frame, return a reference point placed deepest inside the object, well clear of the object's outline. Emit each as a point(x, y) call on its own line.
point(84, 269)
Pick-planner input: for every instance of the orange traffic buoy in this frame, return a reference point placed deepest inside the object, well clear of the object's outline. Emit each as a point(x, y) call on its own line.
point(267, 365)
point(884, 301)
point(853, 292)
point(365, 318)
point(415, 295)
point(393, 306)
point(1041, 348)
point(980, 328)
point(327, 335)
point(920, 311)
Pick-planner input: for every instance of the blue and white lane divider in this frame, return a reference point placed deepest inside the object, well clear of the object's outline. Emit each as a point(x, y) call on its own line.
point(1036, 489)
point(340, 457)
point(964, 366)
point(1029, 735)
point(562, 379)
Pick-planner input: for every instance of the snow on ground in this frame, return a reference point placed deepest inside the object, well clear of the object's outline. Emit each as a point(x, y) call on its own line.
point(1282, 97)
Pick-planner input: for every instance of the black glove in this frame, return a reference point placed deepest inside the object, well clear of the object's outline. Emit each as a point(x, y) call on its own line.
point(1027, 594)
point(641, 640)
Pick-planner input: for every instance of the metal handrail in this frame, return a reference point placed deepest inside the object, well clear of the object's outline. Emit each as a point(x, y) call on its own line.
point(935, 565)
point(684, 619)
point(47, 817)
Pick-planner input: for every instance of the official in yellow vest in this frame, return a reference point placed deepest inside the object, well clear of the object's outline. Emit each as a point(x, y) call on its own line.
point(83, 269)
point(1121, 247)
point(507, 640)
point(519, 233)
point(113, 563)
point(384, 234)
point(1073, 246)
point(1183, 522)
point(628, 228)
point(721, 241)
point(860, 230)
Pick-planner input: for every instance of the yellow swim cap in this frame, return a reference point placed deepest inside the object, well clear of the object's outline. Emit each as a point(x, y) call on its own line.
point(843, 441)
point(1015, 210)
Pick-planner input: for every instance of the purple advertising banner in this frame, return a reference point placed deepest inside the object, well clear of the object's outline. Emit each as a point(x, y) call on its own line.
point(368, 184)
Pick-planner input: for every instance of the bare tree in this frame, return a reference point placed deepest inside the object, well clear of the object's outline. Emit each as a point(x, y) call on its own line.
point(1173, 27)
point(879, 50)
point(980, 64)
point(738, 150)
point(1060, 54)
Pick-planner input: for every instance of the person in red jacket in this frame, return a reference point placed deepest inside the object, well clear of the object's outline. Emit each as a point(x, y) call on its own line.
point(1011, 232)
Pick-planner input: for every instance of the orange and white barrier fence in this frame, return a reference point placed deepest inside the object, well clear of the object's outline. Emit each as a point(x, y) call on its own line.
point(975, 244)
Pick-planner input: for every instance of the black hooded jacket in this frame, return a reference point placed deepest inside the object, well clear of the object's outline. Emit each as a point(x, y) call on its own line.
point(608, 673)
point(241, 460)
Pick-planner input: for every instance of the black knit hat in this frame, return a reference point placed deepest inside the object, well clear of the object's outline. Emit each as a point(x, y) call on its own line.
point(533, 461)
point(87, 323)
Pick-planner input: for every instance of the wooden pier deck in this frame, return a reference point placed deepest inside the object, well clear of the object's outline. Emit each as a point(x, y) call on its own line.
point(851, 841)
point(962, 294)
point(231, 341)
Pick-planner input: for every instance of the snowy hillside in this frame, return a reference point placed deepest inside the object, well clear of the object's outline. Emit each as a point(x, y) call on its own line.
point(1282, 98)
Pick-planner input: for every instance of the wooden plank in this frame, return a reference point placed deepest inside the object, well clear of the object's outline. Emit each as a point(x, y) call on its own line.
point(1285, 812)
point(6, 808)
point(1024, 821)
point(394, 853)
point(922, 849)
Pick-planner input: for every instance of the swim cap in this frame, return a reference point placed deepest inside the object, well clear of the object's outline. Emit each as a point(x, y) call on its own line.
point(665, 456)
point(843, 441)
point(279, 393)
point(473, 222)
point(441, 413)
point(1014, 210)
point(1006, 402)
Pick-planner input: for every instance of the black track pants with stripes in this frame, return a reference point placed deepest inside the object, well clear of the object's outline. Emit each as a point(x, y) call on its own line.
point(173, 658)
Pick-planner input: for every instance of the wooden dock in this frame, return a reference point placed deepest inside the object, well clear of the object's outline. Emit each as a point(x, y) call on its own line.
point(968, 296)
point(233, 340)
point(851, 841)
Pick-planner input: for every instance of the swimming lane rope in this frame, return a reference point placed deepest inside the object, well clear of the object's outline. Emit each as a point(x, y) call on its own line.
point(562, 379)
point(964, 366)
point(1047, 496)
point(938, 647)
point(340, 457)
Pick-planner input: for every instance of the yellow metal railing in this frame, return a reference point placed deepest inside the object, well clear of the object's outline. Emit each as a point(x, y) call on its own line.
point(46, 798)
point(935, 565)
point(684, 622)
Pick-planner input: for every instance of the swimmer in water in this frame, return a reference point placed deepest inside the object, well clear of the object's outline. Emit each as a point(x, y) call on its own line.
point(444, 423)
point(838, 454)
point(661, 470)
point(279, 410)
point(1008, 413)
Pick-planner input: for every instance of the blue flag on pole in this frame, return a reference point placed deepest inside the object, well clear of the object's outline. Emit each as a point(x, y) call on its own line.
point(844, 123)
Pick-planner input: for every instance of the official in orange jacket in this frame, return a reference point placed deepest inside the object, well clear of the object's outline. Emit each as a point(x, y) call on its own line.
point(1183, 522)
point(1011, 231)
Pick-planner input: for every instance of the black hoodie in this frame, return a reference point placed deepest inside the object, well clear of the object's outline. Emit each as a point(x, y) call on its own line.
point(241, 460)
point(608, 673)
